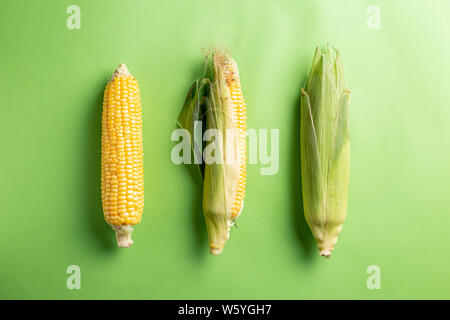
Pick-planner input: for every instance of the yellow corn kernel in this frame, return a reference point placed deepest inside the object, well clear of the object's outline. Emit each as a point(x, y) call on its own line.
point(233, 82)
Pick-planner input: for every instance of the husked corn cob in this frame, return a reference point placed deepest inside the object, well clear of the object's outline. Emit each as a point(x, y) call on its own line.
point(122, 176)
point(325, 148)
point(218, 102)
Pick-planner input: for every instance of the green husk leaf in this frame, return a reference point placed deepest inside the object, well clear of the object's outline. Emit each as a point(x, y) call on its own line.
point(193, 113)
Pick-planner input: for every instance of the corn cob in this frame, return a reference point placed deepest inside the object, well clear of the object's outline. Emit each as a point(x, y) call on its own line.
point(224, 184)
point(325, 148)
point(223, 106)
point(122, 176)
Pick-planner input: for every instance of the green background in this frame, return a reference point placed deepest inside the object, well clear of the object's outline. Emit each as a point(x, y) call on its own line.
point(52, 82)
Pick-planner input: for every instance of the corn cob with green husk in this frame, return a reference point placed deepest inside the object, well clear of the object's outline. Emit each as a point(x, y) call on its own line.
point(325, 148)
point(216, 101)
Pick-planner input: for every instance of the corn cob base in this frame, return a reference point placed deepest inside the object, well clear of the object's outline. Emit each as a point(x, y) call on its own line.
point(123, 235)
